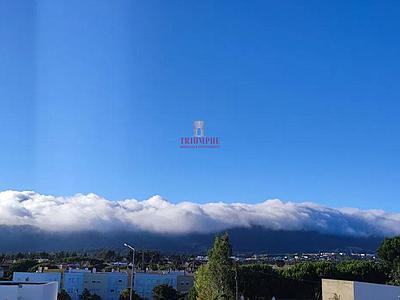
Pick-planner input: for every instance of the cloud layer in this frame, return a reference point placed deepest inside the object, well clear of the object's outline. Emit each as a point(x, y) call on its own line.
point(92, 212)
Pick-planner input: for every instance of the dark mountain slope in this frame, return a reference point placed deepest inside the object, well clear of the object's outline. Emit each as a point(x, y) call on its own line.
point(255, 239)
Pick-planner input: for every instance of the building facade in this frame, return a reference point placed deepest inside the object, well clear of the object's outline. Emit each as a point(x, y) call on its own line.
point(145, 282)
point(108, 285)
point(73, 283)
point(37, 277)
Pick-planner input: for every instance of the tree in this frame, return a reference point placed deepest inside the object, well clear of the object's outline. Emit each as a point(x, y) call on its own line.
point(389, 252)
point(124, 295)
point(312, 271)
point(63, 295)
point(368, 271)
point(395, 275)
point(355, 270)
point(215, 280)
point(86, 295)
point(203, 284)
point(261, 281)
point(164, 292)
point(192, 295)
point(108, 255)
point(23, 265)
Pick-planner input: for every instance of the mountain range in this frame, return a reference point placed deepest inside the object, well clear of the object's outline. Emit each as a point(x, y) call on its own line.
point(254, 239)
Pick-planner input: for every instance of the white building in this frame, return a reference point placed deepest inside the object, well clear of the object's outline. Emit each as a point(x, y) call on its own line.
point(107, 285)
point(353, 290)
point(145, 282)
point(10, 290)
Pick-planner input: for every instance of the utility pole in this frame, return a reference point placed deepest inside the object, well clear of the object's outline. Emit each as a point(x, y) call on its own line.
point(133, 268)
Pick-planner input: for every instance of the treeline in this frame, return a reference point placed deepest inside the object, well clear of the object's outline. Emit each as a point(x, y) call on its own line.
point(73, 256)
point(145, 259)
point(223, 278)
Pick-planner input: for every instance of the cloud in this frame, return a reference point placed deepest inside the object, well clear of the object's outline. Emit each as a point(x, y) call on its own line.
point(92, 212)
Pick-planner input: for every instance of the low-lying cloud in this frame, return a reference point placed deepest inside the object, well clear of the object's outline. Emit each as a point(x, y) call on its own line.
point(92, 212)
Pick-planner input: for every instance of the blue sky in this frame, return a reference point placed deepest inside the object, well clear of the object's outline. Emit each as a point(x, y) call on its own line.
point(303, 94)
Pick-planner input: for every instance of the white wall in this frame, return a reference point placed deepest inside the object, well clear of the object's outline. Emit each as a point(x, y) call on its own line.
point(370, 291)
point(8, 292)
point(337, 289)
point(47, 291)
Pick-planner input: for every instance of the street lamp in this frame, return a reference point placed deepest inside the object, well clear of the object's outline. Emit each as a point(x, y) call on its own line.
point(133, 268)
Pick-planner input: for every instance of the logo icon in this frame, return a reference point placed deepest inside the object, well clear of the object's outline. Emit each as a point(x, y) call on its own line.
point(198, 128)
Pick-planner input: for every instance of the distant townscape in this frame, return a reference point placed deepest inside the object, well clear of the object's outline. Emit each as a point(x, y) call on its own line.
point(220, 273)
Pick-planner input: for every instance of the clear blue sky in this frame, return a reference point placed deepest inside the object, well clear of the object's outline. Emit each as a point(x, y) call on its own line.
point(303, 94)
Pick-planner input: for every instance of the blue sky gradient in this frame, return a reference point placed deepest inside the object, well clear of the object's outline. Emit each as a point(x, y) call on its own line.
point(303, 94)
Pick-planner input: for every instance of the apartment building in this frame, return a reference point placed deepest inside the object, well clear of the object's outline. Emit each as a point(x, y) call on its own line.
point(108, 285)
point(145, 282)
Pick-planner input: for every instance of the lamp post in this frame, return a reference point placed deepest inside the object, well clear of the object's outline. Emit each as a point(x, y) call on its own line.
point(133, 268)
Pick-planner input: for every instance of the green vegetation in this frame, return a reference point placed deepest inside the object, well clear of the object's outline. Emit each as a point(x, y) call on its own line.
point(216, 279)
point(164, 292)
point(389, 253)
point(21, 265)
point(86, 295)
point(125, 295)
point(99, 259)
point(222, 277)
point(192, 294)
point(368, 271)
point(63, 295)
point(262, 281)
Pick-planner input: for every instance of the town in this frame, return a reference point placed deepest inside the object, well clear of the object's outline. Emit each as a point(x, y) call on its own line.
point(107, 274)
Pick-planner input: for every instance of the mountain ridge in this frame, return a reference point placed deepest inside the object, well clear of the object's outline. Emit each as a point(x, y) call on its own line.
point(255, 239)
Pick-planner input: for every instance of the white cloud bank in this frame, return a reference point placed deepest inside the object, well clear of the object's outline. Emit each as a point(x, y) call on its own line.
point(92, 212)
